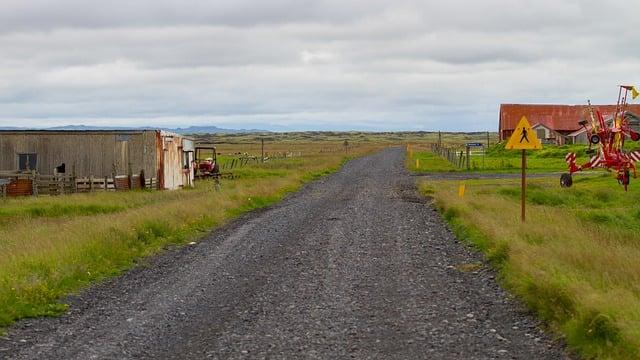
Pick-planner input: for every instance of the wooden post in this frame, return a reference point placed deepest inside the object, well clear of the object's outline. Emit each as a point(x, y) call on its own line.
point(143, 181)
point(262, 149)
point(130, 176)
point(34, 183)
point(524, 184)
point(468, 162)
point(439, 139)
point(74, 178)
point(488, 139)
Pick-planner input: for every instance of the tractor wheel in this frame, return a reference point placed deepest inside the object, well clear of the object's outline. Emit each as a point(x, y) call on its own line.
point(566, 180)
point(594, 139)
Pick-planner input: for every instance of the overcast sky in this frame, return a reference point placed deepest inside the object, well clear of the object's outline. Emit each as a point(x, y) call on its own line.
point(303, 65)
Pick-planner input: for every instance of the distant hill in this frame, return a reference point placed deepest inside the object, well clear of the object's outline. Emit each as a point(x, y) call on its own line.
point(188, 130)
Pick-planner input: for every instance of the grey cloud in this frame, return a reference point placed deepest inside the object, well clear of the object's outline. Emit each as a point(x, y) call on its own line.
point(374, 64)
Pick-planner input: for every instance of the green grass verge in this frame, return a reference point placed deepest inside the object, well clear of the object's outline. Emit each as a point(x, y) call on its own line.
point(574, 262)
point(55, 246)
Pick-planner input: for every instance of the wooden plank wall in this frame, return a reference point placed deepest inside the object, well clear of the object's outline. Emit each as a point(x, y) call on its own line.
point(29, 184)
point(97, 154)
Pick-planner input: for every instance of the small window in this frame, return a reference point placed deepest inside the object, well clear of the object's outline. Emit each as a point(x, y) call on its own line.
point(27, 162)
point(541, 134)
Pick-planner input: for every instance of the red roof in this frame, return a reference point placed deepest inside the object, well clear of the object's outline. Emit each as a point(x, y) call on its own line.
point(556, 117)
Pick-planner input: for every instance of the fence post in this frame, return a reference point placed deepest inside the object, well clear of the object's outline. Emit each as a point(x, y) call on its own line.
point(143, 182)
point(74, 177)
point(130, 177)
point(468, 163)
point(34, 183)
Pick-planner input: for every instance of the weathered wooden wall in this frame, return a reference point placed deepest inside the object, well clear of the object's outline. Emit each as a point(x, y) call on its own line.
point(89, 153)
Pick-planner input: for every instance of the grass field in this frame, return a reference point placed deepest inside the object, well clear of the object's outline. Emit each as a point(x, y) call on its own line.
point(353, 137)
point(574, 262)
point(497, 159)
point(53, 246)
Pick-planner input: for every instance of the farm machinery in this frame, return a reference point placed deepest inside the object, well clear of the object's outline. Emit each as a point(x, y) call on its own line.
point(606, 142)
point(206, 164)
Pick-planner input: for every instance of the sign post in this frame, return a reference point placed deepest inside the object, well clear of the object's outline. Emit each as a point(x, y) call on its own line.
point(523, 138)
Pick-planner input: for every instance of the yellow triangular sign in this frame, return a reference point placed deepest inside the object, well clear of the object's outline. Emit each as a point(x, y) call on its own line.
point(523, 137)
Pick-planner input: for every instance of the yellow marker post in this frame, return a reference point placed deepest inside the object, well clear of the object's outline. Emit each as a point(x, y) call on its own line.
point(417, 163)
point(523, 138)
point(461, 190)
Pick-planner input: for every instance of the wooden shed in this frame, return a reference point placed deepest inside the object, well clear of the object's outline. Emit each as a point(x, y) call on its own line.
point(158, 154)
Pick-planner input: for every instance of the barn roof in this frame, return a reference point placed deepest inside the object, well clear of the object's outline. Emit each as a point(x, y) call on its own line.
point(556, 117)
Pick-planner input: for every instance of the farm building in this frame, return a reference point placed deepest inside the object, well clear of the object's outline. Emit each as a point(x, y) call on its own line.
point(152, 154)
point(552, 123)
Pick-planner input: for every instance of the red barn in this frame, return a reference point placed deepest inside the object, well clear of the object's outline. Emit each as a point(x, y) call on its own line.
point(562, 120)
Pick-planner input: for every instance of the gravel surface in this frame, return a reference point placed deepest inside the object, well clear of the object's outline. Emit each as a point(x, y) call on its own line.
point(354, 265)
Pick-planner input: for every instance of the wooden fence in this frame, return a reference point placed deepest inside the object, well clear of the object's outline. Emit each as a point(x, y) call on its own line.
point(460, 158)
point(23, 184)
point(244, 160)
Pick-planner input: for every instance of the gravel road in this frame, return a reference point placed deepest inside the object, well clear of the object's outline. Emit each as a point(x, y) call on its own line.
point(354, 265)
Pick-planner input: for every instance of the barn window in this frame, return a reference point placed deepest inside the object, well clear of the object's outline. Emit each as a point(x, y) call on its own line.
point(27, 161)
point(541, 134)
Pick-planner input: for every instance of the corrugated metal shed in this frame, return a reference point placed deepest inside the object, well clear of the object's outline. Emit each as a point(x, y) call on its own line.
point(561, 118)
point(99, 154)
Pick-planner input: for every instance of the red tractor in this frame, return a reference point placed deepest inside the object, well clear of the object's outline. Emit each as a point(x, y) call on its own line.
point(206, 162)
point(606, 142)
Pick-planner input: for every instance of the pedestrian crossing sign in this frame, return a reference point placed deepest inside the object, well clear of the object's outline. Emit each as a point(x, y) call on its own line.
point(523, 137)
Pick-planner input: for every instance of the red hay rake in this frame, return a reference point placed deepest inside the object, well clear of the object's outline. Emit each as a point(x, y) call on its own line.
point(606, 142)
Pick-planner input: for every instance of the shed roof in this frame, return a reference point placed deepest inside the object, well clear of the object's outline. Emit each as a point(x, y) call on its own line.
point(72, 132)
point(556, 117)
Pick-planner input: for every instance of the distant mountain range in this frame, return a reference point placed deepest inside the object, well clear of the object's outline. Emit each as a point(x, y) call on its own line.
point(188, 130)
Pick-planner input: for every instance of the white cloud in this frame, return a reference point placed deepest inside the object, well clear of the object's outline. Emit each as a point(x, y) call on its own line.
point(369, 64)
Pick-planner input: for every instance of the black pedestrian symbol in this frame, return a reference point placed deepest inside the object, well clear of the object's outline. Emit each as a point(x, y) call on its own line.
point(524, 135)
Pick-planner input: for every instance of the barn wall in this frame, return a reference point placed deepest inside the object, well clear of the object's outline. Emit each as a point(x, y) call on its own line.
point(175, 175)
point(89, 153)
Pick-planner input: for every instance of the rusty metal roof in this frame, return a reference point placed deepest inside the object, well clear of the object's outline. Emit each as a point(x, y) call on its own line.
point(556, 117)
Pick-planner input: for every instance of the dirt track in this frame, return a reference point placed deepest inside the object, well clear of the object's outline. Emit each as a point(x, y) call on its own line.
point(353, 265)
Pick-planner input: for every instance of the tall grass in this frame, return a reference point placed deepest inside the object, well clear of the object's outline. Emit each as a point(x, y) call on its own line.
point(50, 247)
point(575, 260)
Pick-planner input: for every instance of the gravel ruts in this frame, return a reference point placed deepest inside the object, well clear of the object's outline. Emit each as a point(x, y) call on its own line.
point(354, 265)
